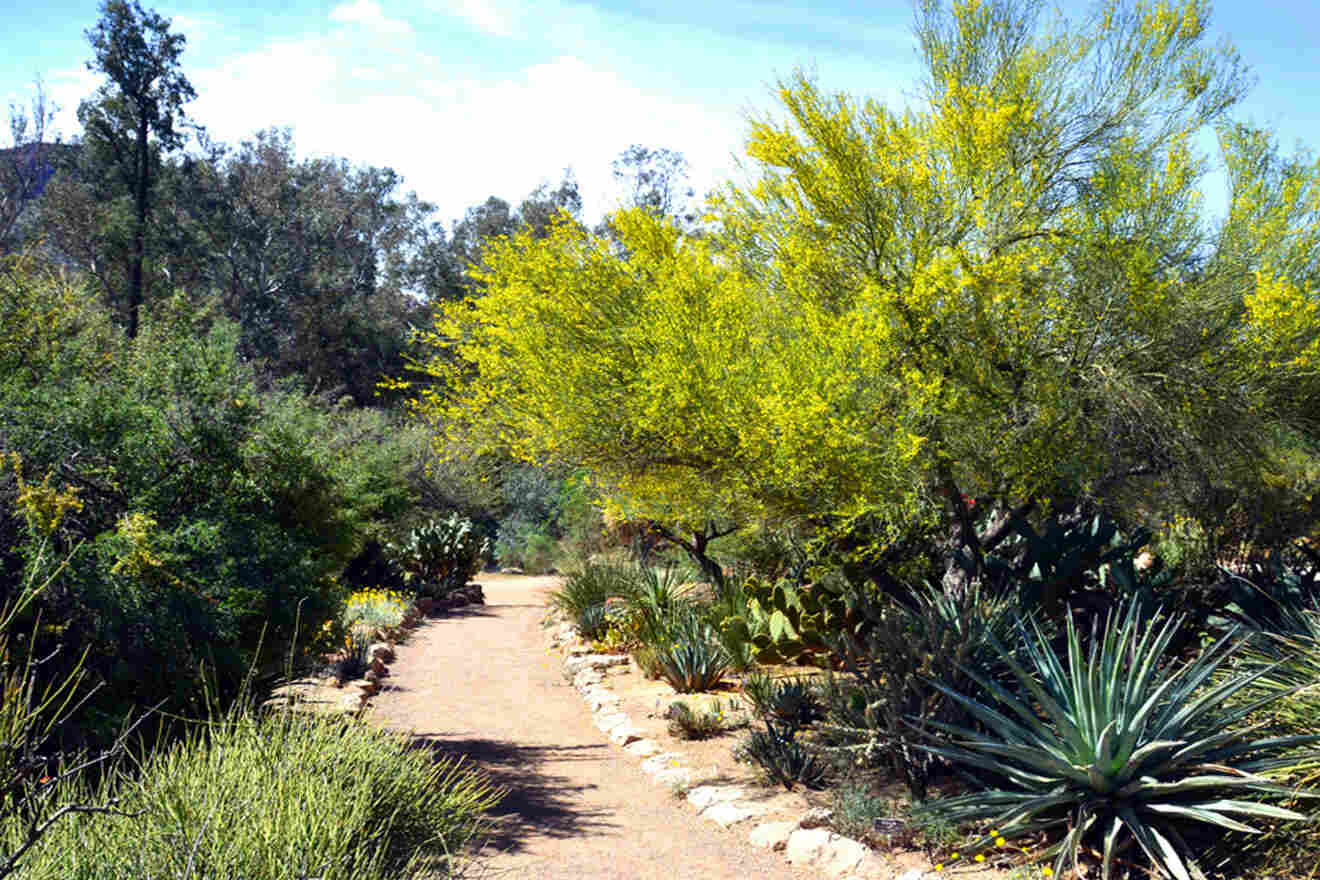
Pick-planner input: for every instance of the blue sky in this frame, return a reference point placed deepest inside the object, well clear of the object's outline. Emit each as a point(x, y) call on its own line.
point(470, 98)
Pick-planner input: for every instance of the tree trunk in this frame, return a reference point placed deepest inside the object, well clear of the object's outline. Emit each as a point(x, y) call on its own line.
point(140, 230)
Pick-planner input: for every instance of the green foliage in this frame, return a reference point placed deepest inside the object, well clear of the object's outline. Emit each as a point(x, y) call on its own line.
point(1044, 567)
point(777, 751)
point(899, 667)
point(1115, 740)
point(859, 813)
point(440, 556)
point(690, 655)
point(272, 797)
point(791, 702)
point(689, 724)
point(379, 610)
point(214, 519)
point(589, 585)
point(791, 623)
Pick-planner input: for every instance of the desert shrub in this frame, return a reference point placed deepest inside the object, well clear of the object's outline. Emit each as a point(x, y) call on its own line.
point(440, 556)
point(378, 610)
point(694, 724)
point(862, 814)
point(777, 751)
point(590, 584)
point(899, 668)
point(792, 701)
point(214, 519)
point(270, 798)
point(1115, 744)
point(694, 660)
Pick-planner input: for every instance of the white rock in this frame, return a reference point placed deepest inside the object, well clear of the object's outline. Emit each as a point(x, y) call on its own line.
point(598, 701)
point(585, 678)
point(703, 796)
point(805, 845)
point(351, 703)
point(843, 855)
point(674, 776)
point(643, 748)
point(914, 874)
point(606, 723)
point(772, 835)
point(656, 763)
point(731, 812)
point(594, 661)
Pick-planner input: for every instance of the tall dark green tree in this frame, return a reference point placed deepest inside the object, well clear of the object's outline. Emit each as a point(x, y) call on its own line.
point(135, 117)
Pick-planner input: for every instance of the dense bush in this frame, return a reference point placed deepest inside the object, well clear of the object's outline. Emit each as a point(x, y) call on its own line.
point(898, 667)
point(213, 518)
point(272, 798)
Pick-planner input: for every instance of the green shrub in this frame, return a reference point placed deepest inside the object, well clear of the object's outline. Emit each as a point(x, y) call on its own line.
point(440, 556)
point(859, 813)
point(273, 798)
point(898, 666)
point(694, 660)
point(777, 751)
point(1116, 742)
point(378, 610)
point(589, 585)
point(215, 518)
point(788, 701)
point(694, 724)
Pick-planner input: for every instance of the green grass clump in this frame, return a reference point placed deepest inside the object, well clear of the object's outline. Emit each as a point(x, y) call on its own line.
point(279, 797)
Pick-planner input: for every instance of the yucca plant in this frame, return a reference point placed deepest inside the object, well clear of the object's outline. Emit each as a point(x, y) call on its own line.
point(1117, 742)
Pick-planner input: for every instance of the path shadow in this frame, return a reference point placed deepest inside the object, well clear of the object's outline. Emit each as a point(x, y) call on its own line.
point(535, 802)
point(472, 610)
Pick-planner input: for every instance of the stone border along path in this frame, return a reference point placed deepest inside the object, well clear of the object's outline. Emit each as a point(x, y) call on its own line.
point(802, 842)
point(582, 803)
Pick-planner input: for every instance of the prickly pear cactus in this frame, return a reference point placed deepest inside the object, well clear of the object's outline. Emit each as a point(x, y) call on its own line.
point(792, 624)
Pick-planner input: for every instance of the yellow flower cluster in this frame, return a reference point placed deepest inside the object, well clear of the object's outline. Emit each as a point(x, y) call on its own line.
point(377, 608)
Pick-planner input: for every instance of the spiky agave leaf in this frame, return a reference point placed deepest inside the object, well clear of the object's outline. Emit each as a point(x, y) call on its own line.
point(1115, 740)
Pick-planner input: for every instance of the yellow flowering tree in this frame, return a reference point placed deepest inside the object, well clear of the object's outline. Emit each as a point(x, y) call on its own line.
point(1010, 297)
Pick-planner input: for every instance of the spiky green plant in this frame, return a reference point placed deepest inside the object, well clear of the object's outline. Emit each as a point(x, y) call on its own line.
point(777, 751)
point(1117, 742)
point(694, 661)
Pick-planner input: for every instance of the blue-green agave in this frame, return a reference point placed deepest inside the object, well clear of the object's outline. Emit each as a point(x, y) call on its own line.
point(1116, 742)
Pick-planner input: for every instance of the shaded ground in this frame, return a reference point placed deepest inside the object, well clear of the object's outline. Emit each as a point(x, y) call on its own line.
point(481, 684)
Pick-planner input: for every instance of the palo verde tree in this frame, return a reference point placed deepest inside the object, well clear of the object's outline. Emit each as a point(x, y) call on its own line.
point(1007, 301)
point(134, 117)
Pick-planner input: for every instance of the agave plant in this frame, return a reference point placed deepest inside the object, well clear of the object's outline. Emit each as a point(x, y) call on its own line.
point(695, 660)
point(1115, 743)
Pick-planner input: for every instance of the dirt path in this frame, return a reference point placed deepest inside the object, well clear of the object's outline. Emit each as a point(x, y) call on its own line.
point(480, 683)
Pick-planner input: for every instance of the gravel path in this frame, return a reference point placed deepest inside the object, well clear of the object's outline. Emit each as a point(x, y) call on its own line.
point(480, 683)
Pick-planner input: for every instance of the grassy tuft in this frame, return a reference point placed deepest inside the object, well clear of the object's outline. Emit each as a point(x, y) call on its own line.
point(278, 797)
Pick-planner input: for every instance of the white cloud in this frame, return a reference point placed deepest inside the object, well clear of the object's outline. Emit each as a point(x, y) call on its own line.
point(483, 15)
point(368, 14)
point(457, 141)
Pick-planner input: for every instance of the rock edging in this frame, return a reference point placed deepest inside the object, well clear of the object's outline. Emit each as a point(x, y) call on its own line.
point(802, 842)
